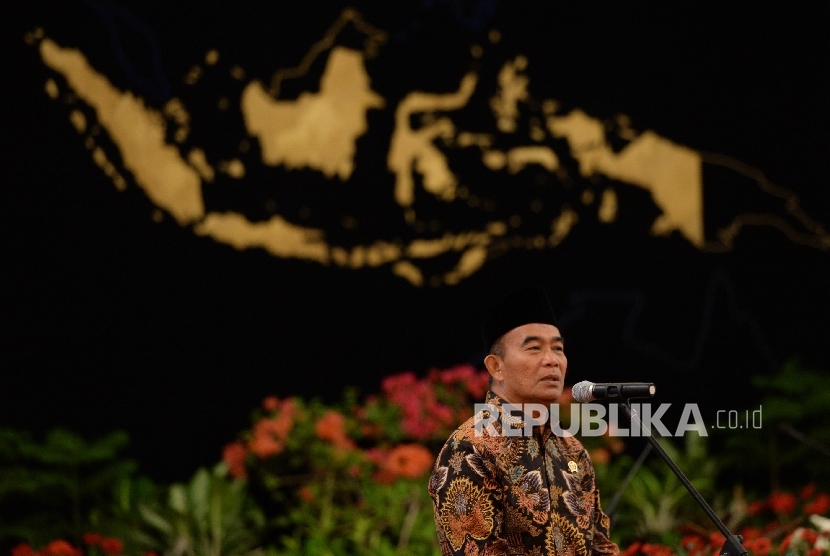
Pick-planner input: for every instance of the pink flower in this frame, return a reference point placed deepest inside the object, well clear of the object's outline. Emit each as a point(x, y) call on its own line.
point(429, 407)
point(398, 384)
point(443, 413)
point(461, 374)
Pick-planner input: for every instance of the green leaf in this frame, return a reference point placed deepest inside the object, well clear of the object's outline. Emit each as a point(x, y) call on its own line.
point(155, 520)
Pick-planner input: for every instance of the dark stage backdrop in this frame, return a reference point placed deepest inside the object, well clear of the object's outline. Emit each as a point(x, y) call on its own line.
point(204, 203)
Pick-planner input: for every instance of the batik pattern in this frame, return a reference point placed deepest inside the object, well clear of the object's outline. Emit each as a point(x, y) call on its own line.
point(514, 495)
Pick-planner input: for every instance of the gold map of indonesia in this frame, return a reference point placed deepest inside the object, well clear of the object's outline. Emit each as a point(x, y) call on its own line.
point(319, 131)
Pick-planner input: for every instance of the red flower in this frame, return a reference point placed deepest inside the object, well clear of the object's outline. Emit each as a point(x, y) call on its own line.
point(372, 430)
point(407, 460)
point(270, 434)
point(761, 546)
point(331, 427)
point(306, 494)
point(815, 552)
point(112, 546)
point(61, 548)
point(91, 539)
point(694, 544)
point(716, 540)
point(614, 444)
point(756, 507)
point(656, 550)
point(234, 457)
point(818, 506)
point(633, 548)
point(809, 535)
point(807, 491)
point(771, 526)
point(23, 549)
point(599, 455)
point(750, 533)
point(270, 403)
point(782, 502)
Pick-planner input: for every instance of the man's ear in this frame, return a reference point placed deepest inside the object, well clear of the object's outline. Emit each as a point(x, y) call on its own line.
point(493, 365)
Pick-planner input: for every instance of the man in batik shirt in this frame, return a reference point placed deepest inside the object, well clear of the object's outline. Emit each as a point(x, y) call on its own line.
point(526, 494)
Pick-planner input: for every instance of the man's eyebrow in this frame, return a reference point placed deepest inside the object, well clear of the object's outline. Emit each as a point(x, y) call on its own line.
point(555, 339)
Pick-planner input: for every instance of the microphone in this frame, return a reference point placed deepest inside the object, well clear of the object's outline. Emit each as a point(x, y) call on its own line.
point(584, 392)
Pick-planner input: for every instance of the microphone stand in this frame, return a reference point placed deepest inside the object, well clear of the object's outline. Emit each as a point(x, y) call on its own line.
point(732, 546)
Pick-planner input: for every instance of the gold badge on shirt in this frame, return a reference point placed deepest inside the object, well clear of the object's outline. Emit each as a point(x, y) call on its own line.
point(572, 466)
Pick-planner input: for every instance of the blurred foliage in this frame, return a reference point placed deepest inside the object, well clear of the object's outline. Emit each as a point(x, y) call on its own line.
point(792, 444)
point(60, 487)
point(655, 502)
point(209, 516)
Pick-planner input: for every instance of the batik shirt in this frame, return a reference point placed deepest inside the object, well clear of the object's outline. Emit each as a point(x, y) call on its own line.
point(532, 495)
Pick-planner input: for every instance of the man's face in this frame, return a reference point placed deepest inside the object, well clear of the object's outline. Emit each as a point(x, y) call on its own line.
point(534, 364)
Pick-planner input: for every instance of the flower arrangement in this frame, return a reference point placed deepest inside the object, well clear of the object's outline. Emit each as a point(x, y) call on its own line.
point(353, 477)
point(783, 524)
point(350, 478)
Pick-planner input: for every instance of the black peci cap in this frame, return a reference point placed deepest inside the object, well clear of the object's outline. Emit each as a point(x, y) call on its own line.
point(524, 306)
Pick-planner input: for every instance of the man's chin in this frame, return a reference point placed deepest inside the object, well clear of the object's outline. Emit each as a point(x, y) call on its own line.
point(549, 396)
